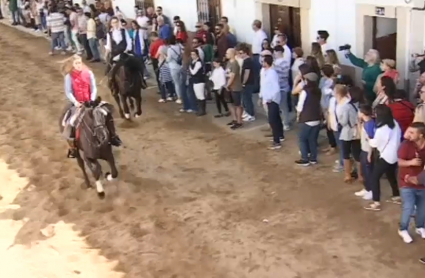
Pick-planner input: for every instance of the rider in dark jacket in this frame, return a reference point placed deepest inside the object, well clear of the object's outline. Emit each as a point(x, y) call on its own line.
point(118, 41)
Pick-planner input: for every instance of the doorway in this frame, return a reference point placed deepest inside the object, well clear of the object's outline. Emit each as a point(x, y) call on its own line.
point(382, 36)
point(288, 20)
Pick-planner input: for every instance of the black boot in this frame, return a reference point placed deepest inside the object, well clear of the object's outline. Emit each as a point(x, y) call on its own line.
point(202, 107)
point(115, 139)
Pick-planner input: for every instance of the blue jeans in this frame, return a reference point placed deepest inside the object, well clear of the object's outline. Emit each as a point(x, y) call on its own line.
point(43, 20)
point(58, 39)
point(307, 137)
point(247, 102)
point(412, 197)
point(94, 47)
point(188, 95)
point(367, 169)
point(339, 144)
point(176, 76)
point(15, 17)
point(284, 107)
point(167, 88)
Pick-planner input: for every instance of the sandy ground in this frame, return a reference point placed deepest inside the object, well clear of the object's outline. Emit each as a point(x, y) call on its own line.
point(190, 202)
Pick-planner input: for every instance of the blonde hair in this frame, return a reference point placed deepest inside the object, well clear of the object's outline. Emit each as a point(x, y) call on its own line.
point(332, 57)
point(341, 90)
point(389, 62)
point(67, 65)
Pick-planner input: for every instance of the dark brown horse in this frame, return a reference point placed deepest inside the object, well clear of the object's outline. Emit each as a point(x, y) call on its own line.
point(93, 128)
point(126, 85)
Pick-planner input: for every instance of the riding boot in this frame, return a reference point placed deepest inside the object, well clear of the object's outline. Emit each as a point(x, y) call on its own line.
point(199, 104)
point(204, 107)
point(115, 139)
point(72, 151)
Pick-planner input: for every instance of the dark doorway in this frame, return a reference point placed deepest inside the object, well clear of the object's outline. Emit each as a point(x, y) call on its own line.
point(288, 20)
point(384, 37)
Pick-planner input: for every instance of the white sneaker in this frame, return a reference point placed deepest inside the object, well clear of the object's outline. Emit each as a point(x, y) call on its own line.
point(178, 101)
point(244, 115)
point(249, 119)
point(161, 100)
point(405, 236)
point(360, 193)
point(368, 196)
point(421, 232)
point(286, 128)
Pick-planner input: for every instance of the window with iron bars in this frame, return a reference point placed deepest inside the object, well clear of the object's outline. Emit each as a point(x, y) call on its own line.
point(144, 4)
point(209, 10)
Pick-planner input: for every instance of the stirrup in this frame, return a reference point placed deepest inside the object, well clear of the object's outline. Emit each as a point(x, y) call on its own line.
point(72, 153)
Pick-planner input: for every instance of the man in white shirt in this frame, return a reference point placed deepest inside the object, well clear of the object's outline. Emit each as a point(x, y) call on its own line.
point(282, 40)
point(85, 7)
point(270, 96)
point(257, 42)
point(322, 39)
point(257, 39)
point(142, 20)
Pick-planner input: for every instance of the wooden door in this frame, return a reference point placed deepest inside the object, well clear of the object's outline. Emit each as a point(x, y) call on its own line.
point(288, 20)
point(209, 10)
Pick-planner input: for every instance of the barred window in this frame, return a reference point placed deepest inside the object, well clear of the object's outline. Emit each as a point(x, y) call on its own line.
point(209, 10)
point(144, 4)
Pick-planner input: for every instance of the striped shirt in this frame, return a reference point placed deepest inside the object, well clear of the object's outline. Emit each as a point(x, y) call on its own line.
point(165, 73)
point(282, 68)
point(56, 22)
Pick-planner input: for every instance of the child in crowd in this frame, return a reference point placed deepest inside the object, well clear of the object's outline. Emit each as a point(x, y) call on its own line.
point(367, 132)
point(388, 67)
point(218, 78)
point(326, 86)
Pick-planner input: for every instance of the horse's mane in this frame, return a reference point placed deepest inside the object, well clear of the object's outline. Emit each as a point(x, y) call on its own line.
point(132, 63)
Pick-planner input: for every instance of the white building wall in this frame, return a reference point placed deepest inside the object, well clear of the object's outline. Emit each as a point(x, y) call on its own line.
point(126, 7)
point(241, 14)
point(338, 18)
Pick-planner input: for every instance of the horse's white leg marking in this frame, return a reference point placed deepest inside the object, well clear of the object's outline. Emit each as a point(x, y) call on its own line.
point(127, 116)
point(109, 177)
point(99, 186)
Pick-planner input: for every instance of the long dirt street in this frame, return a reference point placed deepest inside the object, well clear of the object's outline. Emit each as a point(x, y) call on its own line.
point(192, 199)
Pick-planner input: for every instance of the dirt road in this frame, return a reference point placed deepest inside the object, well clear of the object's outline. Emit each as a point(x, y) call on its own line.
point(190, 201)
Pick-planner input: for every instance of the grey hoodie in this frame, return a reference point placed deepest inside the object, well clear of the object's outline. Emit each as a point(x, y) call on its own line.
point(348, 119)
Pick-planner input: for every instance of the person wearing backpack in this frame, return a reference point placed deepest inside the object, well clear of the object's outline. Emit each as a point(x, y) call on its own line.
point(174, 60)
point(347, 122)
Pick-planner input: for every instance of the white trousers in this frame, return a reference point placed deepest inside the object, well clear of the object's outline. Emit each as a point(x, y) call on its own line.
point(199, 90)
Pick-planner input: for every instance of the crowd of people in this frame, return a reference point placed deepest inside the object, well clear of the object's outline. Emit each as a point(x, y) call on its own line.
point(374, 128)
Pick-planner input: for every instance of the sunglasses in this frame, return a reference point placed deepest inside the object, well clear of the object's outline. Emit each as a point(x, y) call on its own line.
point(197, 26)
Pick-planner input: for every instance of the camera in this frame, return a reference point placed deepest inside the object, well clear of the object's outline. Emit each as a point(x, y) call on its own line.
point(344, 47)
